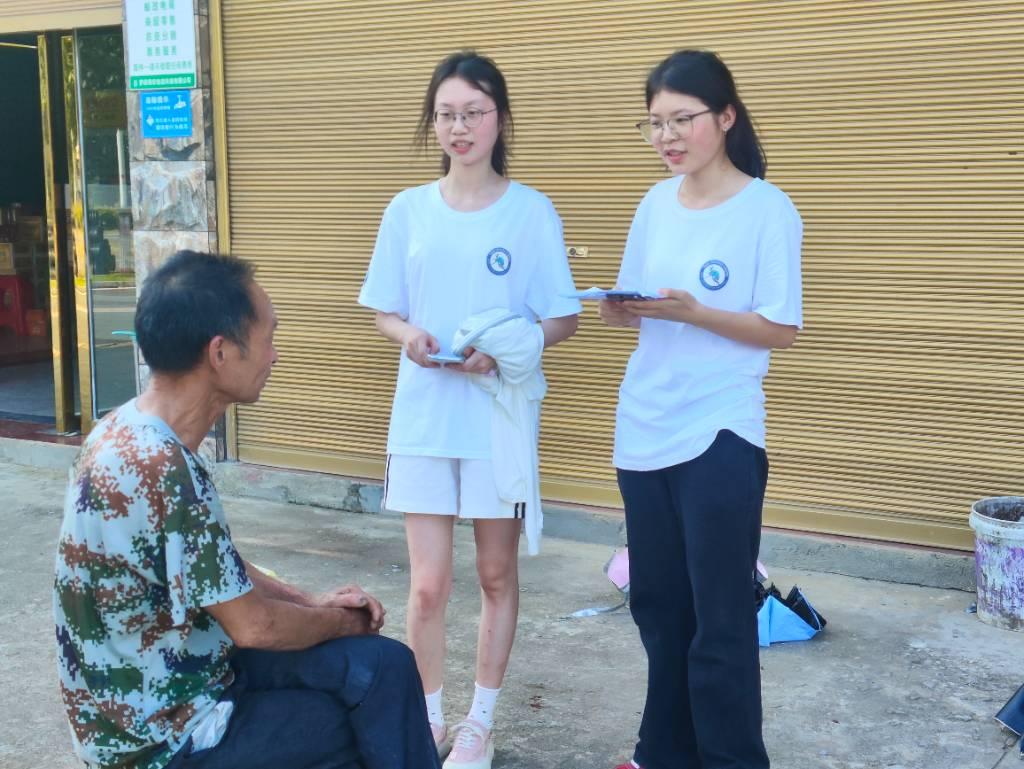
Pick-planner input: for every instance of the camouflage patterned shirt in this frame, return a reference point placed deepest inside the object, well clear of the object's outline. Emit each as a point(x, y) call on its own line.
point(144, 546)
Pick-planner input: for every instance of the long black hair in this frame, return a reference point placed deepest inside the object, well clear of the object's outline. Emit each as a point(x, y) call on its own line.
point(703, 75)
point(483, 74)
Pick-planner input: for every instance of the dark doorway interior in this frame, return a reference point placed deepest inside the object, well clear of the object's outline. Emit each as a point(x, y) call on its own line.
point(26, 359)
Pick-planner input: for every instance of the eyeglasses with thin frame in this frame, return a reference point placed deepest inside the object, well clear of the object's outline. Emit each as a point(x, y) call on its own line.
point(471, 117)
point(678, 126)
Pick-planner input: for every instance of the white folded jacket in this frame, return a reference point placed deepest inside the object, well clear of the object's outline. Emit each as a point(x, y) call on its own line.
point(517, 346)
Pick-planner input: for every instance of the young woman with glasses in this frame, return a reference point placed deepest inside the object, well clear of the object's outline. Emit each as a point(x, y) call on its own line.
point(721, 246)
point(471, 241)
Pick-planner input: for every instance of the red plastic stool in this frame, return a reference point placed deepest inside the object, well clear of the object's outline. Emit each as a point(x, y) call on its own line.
point(15, 301)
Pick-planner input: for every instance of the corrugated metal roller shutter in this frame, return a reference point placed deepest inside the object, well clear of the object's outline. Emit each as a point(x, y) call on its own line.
point(895, 126)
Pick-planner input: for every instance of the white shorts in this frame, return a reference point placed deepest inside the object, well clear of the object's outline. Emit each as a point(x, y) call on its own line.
point(444, 486)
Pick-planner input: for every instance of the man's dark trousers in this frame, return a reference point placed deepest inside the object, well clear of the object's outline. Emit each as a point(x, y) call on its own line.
point(351, 703)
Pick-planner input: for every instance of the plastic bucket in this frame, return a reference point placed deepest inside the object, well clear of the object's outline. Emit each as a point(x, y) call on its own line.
point(998, 524)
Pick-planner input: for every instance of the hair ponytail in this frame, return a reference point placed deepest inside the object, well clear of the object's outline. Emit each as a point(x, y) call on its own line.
point(703, 75)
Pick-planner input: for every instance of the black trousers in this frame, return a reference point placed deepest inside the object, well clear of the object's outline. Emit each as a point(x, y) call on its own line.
point(694, 530)
point(351, 703)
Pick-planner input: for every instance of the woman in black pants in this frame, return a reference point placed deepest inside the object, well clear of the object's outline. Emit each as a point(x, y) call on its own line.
point(721, 247)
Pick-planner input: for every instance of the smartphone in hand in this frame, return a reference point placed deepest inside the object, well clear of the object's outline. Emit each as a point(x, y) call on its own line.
point(628, 296)
point(445, 357)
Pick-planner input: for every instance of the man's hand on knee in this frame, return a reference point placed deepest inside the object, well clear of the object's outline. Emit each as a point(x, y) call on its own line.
point(253, 621)
point(356, 622)
point(353, 597)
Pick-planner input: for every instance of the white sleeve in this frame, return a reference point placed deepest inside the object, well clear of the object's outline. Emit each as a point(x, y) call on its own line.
point(631, 272)
point(551, 276)
point(778, 285)
point(385, 288)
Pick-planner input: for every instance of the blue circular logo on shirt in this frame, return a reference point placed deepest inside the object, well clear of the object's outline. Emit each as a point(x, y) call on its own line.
point(714, 275)
point(499, 261)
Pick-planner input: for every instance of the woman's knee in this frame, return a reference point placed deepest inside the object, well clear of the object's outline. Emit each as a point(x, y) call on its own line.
point(497, 577)
point(428, 595)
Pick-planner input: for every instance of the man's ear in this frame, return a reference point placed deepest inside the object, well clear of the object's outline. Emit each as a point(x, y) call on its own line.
point(216, 353)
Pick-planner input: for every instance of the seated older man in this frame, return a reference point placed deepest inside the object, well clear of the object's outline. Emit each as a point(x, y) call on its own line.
point(173, 651)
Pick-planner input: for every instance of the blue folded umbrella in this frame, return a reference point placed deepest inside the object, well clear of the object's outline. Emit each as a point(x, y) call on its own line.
point(790, 619)
point(1011, 716)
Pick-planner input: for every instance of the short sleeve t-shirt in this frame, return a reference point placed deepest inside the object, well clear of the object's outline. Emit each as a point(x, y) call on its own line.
point(435, 266)
point(144, 546)
point(683, 383)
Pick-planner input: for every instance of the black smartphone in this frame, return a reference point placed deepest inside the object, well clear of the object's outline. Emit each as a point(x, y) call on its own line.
point(626, 296)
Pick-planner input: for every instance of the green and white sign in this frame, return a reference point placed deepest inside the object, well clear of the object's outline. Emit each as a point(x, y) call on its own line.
point(161, 44)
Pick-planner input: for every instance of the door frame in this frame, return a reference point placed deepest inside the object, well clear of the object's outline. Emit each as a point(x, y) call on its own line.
point(79, 256)
point(67, 245)
point(55, 135)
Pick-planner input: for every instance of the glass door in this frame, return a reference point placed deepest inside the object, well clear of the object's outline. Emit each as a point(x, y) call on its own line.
point(107, 220)
point(97, 196)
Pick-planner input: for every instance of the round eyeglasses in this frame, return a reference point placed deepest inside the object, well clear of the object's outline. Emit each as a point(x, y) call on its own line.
point(471, 118)
point(678, 126)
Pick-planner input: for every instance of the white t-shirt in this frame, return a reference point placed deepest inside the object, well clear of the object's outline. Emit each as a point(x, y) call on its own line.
point(435, 266)
point(683, 384)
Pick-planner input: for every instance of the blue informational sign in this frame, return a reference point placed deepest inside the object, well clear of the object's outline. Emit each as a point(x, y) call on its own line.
point(166, 114)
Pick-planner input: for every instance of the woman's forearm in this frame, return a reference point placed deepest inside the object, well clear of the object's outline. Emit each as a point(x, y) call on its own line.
point(392, 326)
point(745, 327)
point(559, 329)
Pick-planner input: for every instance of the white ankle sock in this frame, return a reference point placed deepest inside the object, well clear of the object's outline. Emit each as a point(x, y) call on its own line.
point(484, 701)
point(435, 711)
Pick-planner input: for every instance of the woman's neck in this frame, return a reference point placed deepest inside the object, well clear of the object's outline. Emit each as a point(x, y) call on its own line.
point(713, 184)
point(472, 188)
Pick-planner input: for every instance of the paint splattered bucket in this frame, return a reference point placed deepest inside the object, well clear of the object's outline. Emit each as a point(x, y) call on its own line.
point(998, 524)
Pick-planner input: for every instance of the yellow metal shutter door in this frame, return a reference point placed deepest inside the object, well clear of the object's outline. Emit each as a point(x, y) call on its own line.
point(896, 127)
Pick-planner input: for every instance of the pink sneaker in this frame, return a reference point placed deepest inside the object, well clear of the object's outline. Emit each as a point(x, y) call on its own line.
point(473, 748)
point(442, 739)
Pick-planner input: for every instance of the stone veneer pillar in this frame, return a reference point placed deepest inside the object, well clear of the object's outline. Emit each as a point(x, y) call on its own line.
point(172, 180)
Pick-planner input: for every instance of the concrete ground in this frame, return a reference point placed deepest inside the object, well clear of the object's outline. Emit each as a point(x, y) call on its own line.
point(903, 677)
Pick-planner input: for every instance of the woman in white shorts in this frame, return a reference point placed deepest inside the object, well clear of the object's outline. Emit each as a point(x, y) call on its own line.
point(472, 241)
